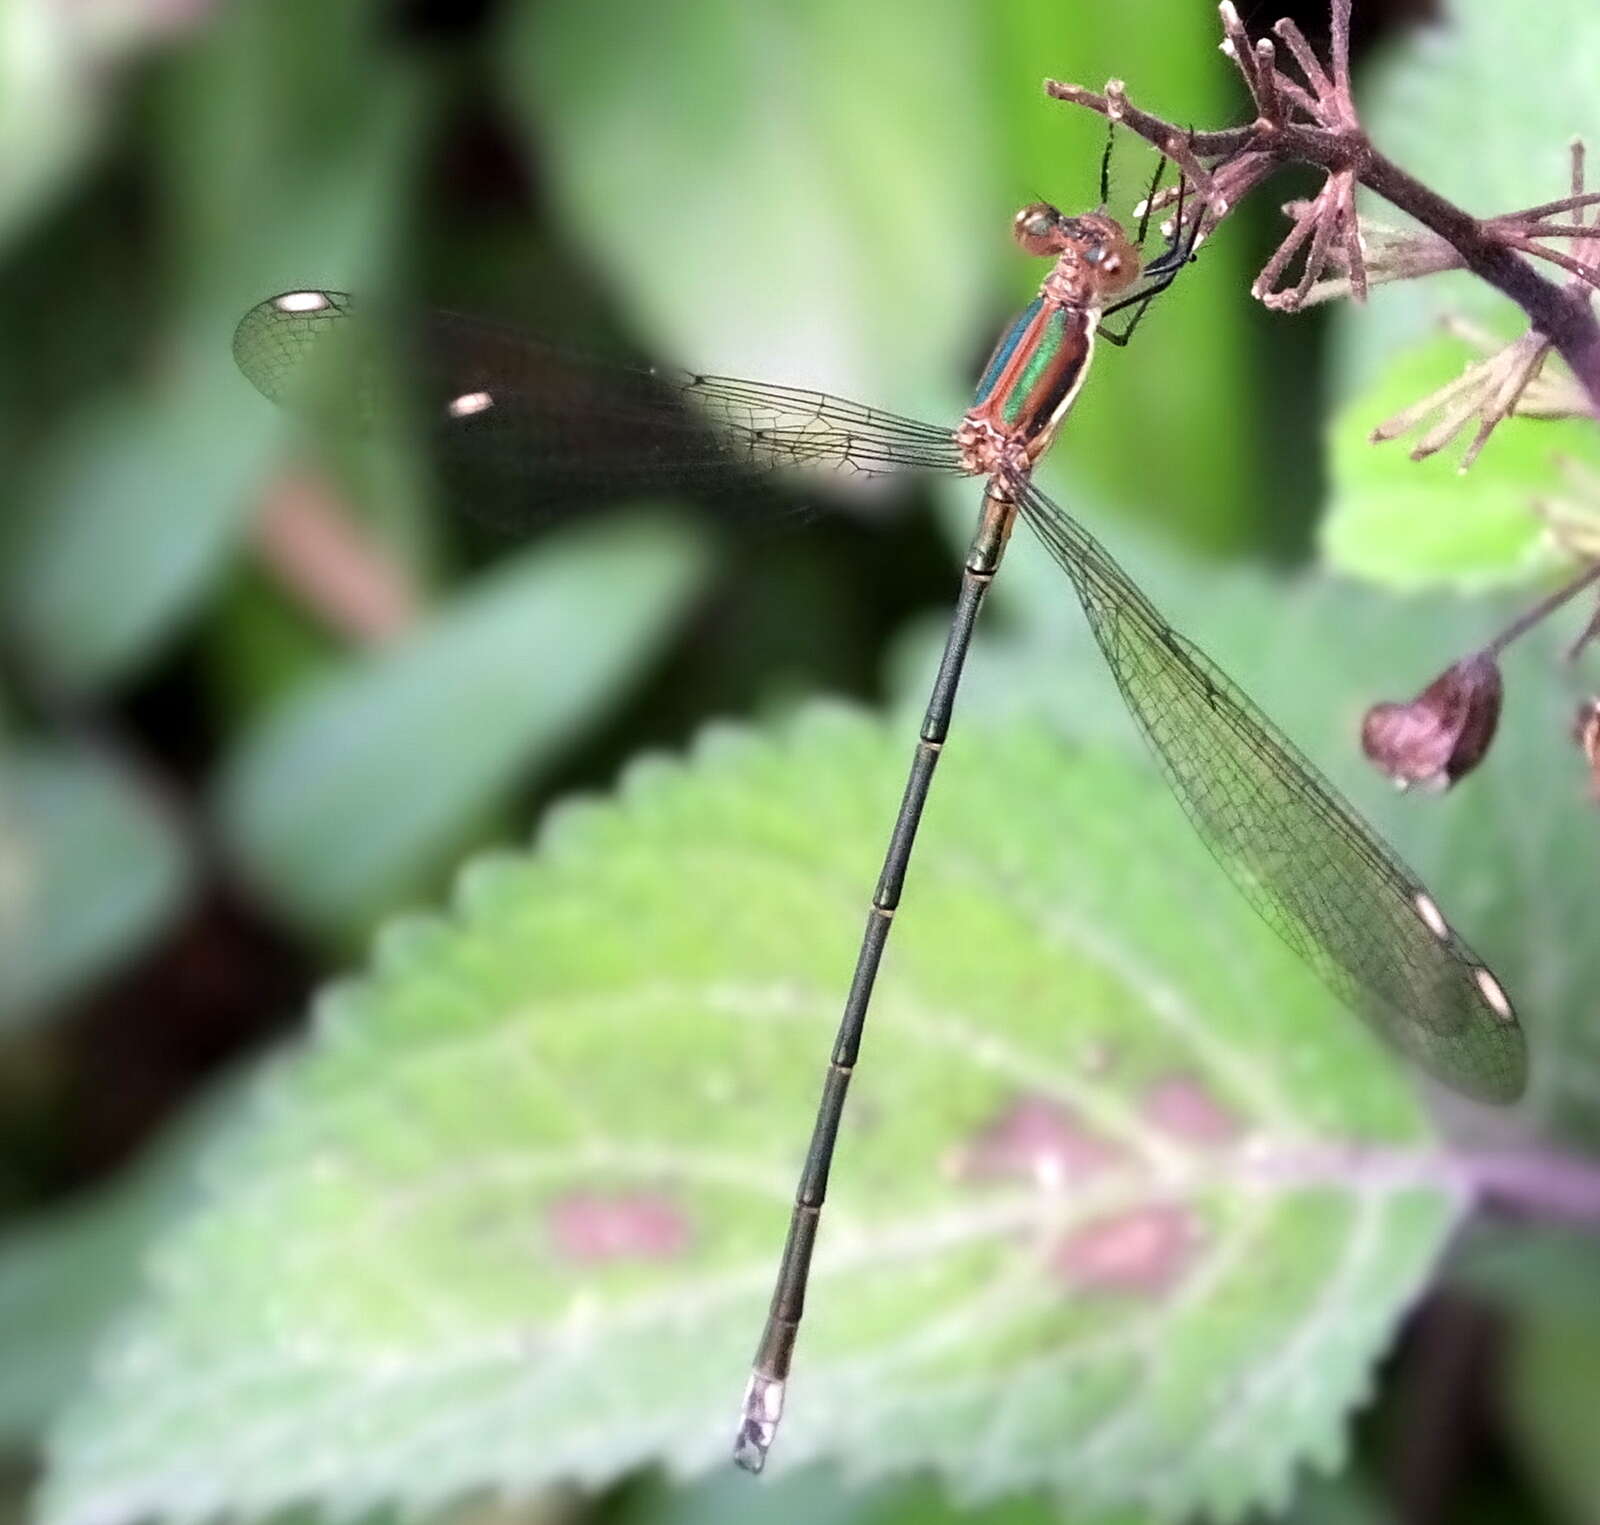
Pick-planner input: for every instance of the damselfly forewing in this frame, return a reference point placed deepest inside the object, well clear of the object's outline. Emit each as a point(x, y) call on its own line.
point(1299, 853)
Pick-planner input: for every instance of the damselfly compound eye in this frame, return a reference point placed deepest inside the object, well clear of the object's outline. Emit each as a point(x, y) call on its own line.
point(1039, 228)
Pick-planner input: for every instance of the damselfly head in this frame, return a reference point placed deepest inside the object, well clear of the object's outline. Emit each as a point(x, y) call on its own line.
point(1094, 242)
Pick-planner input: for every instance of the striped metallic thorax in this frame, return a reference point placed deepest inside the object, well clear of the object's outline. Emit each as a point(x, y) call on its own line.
point(1033, 377)
point(1029, 385)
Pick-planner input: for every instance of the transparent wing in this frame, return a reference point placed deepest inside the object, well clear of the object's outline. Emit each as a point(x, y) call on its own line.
point(1313, 869)
point(561, 426)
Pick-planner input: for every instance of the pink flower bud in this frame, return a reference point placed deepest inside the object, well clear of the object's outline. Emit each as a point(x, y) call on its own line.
point(1586, 732)
point(1441, 734)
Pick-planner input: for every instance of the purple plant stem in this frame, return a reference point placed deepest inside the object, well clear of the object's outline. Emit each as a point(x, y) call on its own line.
point(1562, 313)
point(1537, 1183)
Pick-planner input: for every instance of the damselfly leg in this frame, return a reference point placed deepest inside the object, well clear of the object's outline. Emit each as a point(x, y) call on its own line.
point(1162, 271)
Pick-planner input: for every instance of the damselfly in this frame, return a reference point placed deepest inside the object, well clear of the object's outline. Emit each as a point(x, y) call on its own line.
point(1301, 855)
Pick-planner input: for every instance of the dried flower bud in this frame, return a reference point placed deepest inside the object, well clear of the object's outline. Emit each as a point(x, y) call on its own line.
point(1586, 732)
point(1442, 733)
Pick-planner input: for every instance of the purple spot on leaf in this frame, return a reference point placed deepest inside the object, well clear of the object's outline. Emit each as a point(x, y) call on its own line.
point(1185, 1108)
point(1034, 1139)
point(594, 1227)
point(1141, 1251)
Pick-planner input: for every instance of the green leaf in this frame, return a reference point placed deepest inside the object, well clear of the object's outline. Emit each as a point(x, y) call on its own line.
point(1517, 95)
point(1348, 1499)
point(356, 785)
point(1201, 349)
point(144, 492)
point(1542, 1277)
point(1508, 852)
point(91, 869)
point(820, 1496)
point(49, 120)
point(821, 193)
point(1548, 1269)
point(1553, 1381)
point(58, 86)
point(1438, 92)
point(761, 182)
point(1412, 524)
point(132, 516)
point(1125, 1207)
point(66, 1275)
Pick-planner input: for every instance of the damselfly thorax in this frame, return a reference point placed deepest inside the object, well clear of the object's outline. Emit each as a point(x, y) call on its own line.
point(1039, 365)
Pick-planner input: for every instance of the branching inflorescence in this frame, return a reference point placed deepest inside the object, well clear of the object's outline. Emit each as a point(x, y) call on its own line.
point(1310, 117)
point(1315, 122)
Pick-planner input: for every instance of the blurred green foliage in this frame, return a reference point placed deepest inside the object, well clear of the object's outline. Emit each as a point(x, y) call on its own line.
point(1420, 524)
point(92, 864)
point(819, 192)
point(352, 786)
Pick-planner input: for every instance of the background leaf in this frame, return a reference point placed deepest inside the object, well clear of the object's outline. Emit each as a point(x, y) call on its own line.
point(1421, 105)
point(44, 108)
point(820, 184)
point(925, 126)
point(1118, 1184)
point(70, 1272)
point(343, 796)
point(1414, 524)
point(1509, 851)
point(1554, 1381)
point(136, 503)
point(91, 869)
point(1541, 1283)
point(1423, 101)
point(116, 550)
point(1196, 356)
point(819, 1496)
point(58, 77)
point(778, 205)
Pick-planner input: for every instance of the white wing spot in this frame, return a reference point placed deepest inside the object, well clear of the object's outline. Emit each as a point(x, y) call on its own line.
point(469, 403)
point(1431, 915)
point(1499, 1004)
point(302, 301)
point(1049, 1174)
